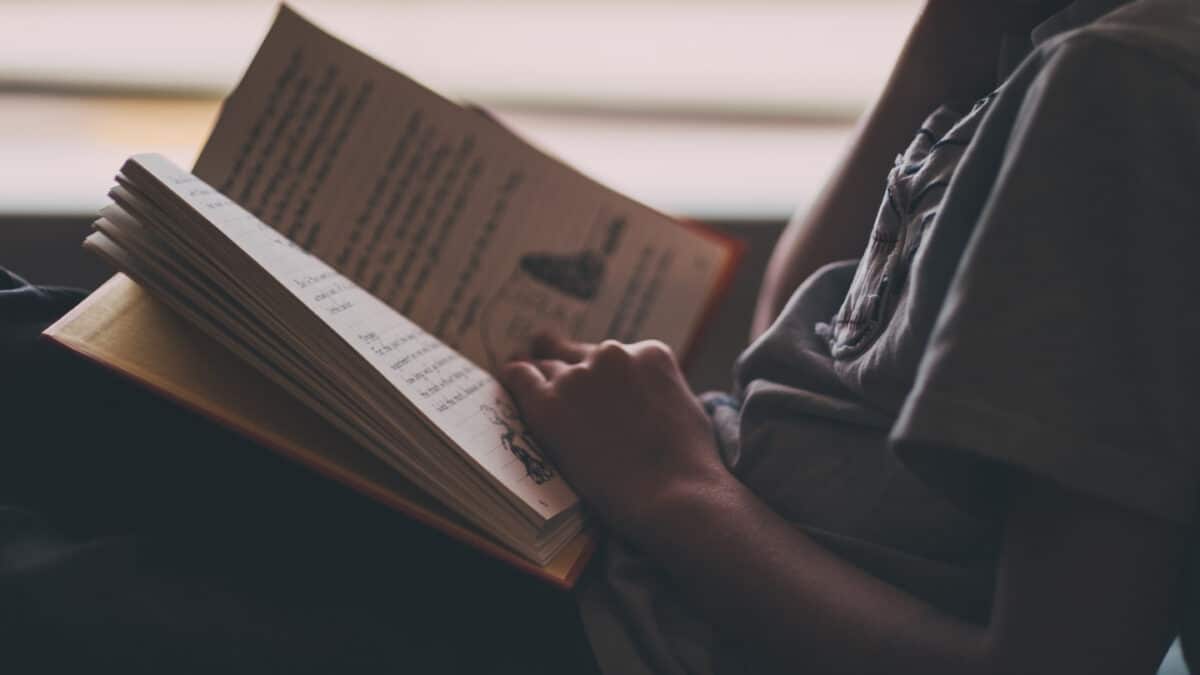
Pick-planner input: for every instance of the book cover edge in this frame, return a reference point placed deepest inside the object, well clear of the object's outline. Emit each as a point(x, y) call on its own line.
point(364, 487)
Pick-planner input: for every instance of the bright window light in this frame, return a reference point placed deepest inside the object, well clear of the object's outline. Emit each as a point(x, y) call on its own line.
point(711, 109)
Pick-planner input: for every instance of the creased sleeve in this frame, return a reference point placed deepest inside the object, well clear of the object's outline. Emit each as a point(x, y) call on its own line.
point(1066, 345)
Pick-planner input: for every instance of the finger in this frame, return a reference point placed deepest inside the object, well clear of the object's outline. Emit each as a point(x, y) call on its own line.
point(653, 349)
point(524, 381)
point(550, 368)
point(547, 345)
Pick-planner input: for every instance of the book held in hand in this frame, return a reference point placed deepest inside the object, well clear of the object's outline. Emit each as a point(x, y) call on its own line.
point(350, 261)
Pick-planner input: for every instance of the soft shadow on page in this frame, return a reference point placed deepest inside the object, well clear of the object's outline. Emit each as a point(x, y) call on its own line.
point(459, 398)
point(442, 214)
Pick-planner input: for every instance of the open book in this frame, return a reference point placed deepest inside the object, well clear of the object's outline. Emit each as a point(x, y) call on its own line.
point(375, 252)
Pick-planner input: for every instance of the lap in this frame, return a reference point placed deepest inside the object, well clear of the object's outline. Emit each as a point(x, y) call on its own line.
point(140, 534)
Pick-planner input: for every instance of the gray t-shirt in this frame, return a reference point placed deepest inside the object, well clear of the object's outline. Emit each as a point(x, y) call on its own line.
point(1022, 306)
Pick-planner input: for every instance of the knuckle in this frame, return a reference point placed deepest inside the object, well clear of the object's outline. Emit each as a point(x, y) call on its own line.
point(657, 351)
point(611, 346)
point(611, 351)
point(511, 373)
point(572, 377)
point(660, 347)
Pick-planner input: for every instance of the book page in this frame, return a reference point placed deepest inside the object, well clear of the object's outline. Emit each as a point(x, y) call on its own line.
point(469, 406)
point(126, 330)
point(442, 213)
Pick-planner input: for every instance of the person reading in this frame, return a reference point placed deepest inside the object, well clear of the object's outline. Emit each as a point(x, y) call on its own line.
point(967, 449)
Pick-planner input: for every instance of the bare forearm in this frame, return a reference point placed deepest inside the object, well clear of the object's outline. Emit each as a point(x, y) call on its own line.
point(949, 55)
point(625, 430)
point(755, 575)
point(1062, 588)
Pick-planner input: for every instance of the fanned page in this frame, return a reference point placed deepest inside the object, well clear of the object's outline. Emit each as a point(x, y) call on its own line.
point(460, 399)
point(442, 213)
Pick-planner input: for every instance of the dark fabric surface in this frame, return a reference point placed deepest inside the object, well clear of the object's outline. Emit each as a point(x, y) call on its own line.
point(1023, 307)
point(136, 537)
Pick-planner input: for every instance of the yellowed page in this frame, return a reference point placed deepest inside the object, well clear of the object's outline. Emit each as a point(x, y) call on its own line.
point(443, 214)
point(461, 400)
point(123, 328)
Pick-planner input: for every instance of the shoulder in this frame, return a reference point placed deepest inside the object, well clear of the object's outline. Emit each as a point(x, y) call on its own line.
point(1093, 93)
point(1139, 49)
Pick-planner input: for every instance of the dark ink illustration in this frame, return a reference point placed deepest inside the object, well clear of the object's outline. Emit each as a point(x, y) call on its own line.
point(548, 291)
point(576, 275)
point(516, 440)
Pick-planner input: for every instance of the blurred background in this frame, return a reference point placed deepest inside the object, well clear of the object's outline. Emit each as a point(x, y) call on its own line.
point(707, 108)
point(721, 110)
point(728, 111)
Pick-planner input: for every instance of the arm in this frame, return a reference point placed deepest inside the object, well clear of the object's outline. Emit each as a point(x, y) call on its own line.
point(950, 55)
point(1084, 586)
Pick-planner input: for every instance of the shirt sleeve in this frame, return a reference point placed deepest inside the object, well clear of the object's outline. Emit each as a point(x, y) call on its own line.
point(1066, 346)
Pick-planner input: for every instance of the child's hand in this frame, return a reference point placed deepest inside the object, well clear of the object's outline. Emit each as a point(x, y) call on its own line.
point(619, 422)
